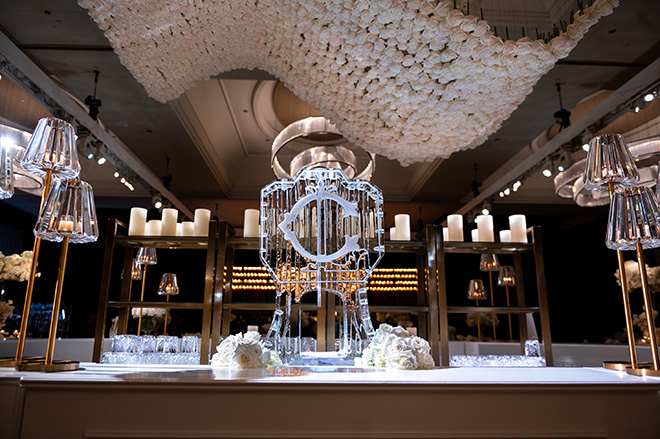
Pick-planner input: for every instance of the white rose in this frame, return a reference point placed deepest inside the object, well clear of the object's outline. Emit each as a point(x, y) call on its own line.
point(252, 335)
point(405, 360)
point(425, 361)
point(418, 344)
point(246, 356)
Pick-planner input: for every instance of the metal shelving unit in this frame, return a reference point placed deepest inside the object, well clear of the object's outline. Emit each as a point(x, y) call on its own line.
point(116, 237)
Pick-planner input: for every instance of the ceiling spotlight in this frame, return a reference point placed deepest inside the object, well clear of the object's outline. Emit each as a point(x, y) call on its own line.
point(547, 172)
point(158, 202)
point(90, 155)
point(501, 194)
point(116, 174)
point(507, 191)
point(517, 185)
point(649, 97)
point(101, 160)
point(637, 109)
point(585, 147)
point(123, 180)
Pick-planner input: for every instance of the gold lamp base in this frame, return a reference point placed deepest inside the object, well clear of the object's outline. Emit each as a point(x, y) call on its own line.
point(643, 372)
point(41, 366)
point(11, 362)
point(624, 365)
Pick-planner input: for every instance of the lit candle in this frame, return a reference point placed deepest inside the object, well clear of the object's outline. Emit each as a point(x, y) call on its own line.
point(188, 228)
point(485, 228)
point(138, 221)
point(253, 328)
point(455, 226)
point(153, 228)
point(445, 234)
point(475, 235)
point(251, 223)
point(505, 235)
point(202, 218)
point(518, 226)
point(65, 226)
point(402, 226)
point(179, 229)
point(168, 222)
point(372, 225)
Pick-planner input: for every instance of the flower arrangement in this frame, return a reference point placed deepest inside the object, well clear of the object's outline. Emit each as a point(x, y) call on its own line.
point(640, 321)
point(634, 280)
point(244, 351)
point(16, 267)
point(383, 71)
point(5, 310)
point(486, 320)
point(152, 318)
point(394, 348)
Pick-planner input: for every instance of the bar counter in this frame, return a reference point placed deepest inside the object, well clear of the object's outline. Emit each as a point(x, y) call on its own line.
point(116, 401)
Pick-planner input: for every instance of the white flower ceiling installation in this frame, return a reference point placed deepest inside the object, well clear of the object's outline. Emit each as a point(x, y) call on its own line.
point(410, 80)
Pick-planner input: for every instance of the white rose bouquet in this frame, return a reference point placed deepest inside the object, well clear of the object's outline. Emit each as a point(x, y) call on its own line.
point(394, 348)
point(152, 318)
point(244, 351)
point(633, 278)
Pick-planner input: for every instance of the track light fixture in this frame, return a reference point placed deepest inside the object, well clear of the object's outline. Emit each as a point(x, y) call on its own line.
point(157, 201)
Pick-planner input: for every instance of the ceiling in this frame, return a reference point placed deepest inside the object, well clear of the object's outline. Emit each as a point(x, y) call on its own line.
point(217, 136)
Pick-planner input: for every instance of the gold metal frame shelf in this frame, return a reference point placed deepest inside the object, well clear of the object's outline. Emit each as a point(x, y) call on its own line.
point(41, 366)
point(170, 305)
point(492, 309)
point(168, 242)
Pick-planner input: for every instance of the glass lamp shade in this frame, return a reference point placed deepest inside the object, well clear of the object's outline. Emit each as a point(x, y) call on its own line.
point(52, 146)
point(146, 256)
point(506, 278)
point(68, 211)
point(476, 290)
point(489, 262)
point(633, 219)
point(609, 161)
point(168, 285)
point(6, 171)
point(136, 270)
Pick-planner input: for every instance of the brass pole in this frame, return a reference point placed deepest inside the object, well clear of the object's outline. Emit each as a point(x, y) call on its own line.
point(144, 277)
point(30, 280)
point(54, 317)
point(508, 303)
point(626, 299)
point(478, 324)
point(166, 313)
point(648, 305)
point(492, 302)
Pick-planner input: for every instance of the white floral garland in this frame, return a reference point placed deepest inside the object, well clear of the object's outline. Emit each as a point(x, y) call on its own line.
point(409, 80)
point(394, 348)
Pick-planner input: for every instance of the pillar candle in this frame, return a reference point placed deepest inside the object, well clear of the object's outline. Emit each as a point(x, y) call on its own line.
point(402, 226)
point(372, 225)
point(475, 235)
point(179, 229)
point(455, 227)
point(137, 224)
point(485, 228)
point(168, 221)
point(153, 228)
point(188, 228)
point(412, 330)
point(445, 234)
point(251, 223)
point(505, 235)
point(393, 236)
point(518, 226)
point(202, 218)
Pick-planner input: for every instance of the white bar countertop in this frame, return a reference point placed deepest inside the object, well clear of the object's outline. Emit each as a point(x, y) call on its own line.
point(519, 376)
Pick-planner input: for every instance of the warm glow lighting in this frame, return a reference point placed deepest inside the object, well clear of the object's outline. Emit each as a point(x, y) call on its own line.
point(649, 97)
point(123, 180)
point(501, 194)
point(517, 185)
point(547, 173)
point(158, 204)
point(507, 191)
point(101, 160)
point(116, 174)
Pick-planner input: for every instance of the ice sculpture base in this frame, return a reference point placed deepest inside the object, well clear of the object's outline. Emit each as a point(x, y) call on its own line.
point(324, 359)
point(495, 361)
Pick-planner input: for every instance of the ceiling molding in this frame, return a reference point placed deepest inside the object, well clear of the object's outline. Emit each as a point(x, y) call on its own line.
point(47, 88)
point(186, 114)
point(426, 170)
point(608, 108)
point(232, 114)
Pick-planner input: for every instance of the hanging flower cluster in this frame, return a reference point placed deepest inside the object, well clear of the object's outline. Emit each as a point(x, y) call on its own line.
point(410, 80)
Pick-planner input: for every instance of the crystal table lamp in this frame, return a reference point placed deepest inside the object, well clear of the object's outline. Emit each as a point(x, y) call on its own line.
point(136, 270)
point(490, 263)
point(609, 165)
point(145, 256)
point(609, 162)
point(476, 291)
point(506, 279)
point(633, 225)
point(168, 287)
point(51, 152)
point(6, 172)
point(68, 214)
